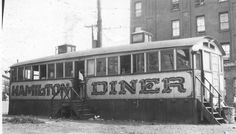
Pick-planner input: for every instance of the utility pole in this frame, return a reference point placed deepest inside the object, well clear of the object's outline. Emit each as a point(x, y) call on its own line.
point(94, 42)
point(99, 25)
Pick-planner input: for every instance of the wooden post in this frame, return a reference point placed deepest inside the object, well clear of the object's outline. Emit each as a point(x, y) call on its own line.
point(219, 103)
point(201, 102)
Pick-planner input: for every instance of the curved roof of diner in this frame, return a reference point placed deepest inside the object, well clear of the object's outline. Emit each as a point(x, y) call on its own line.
point(121, 48)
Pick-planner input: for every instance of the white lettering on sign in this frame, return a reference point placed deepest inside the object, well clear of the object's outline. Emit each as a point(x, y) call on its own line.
point(162, 85)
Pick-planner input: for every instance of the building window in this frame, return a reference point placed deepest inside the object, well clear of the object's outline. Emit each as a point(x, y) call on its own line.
point(138, 9)
point(69, 69)
point(200, 23)
point(101, 66)
point(137, 29)
point(167, 60)
point(226, 47)
point(199, 2)
point(152, 62)
point(224, 21)
point(59, 70)
point(183, 58)
point(138, 63)
point(175, 4)
point(35, 72)
point(113, 65)
point(51, 71)
point(27, 73)
point(91, 67)
point(43, 72)
point(125, 64)
point(175, 28)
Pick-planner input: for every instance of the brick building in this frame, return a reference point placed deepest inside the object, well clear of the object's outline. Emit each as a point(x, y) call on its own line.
point(173, 19)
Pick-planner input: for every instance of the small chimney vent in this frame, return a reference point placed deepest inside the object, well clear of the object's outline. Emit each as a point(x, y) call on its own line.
point(66, 48)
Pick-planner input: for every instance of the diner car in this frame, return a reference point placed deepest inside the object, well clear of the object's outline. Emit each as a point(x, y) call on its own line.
point(165, 81)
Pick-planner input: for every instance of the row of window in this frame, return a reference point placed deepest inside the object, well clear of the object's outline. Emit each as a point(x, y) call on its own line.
point(36, 72)
point(175, 5)
point(200, 24)
point(164, 60)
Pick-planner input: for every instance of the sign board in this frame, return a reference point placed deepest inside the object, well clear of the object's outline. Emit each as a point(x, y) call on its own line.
point(39, 89)
point(143, 86)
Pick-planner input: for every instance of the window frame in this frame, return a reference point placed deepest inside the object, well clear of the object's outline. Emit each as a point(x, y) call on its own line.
point(102, 73)
point(94, 67)
point(137, 11)
point(56, 70)
point(198, 25)
point(174, 64)
point(135, 71)
point(220, 21)
point(173, 29)
point(175, 5)
point(108, 65)
point(226, 57)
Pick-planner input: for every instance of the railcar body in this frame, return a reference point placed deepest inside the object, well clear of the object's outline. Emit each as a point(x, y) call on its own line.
point(165, 81)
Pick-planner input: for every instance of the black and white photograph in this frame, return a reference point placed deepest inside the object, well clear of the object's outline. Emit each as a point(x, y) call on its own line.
point(118, 66)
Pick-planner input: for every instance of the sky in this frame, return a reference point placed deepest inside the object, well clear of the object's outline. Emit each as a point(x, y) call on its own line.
point(33, 28)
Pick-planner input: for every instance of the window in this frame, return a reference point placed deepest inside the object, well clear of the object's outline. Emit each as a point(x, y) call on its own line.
point(167, 60)
point(125, 64)
point(27, 73)
point(198, 61)
point(43, 72)
point(222, 0)
point(175, 4)
point(200, 23)
point(138, 63)
point(207, 61)
point(138, 9)
point(101, 66)
point(226, 47)
point(224, 21)
point(113, 65)
point(51, 71)
point(199, 2)
point(91, 67)
point(152, 62)
point(13, 74)
point(175, 28)
point(183, 58)
point(59, 70)
point(35, 72)
point(20, 73)
point(69, 69)
point(137, 29)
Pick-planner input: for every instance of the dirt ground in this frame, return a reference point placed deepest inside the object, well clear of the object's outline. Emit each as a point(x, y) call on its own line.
point(67, 126)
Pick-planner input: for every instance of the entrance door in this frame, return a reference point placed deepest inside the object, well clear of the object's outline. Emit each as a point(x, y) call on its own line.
point(79, 77)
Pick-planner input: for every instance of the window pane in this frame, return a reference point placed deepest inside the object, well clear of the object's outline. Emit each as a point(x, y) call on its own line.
point(224, 21)
point(42, 71)
point(125, 64)
point(35, 72)
point(175, 28)
point(183, 59)
point(112, 65)
point(167, 60)
point(200, 24)
point(152, 62)
point(101, 66)
point(68, 69)
point(14, 74)
point(27, 73)
point(138, 63)
point(198, 61)
point(59, 70)
point(138, 9)
point(175, 4)
point(51, 71)
point(91, 67)
point(206, 61)
point(20, 73)
point(226, 47)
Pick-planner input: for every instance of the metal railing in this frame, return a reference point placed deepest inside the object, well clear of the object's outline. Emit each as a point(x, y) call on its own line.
point(210, 90)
